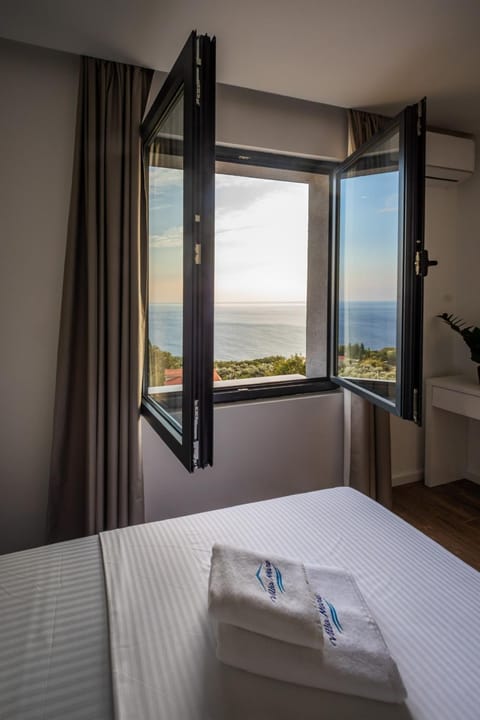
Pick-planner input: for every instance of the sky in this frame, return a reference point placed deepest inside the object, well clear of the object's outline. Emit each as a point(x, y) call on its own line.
point(165, 235)
point(369, 237)
point(261, 234)
point(261, 238)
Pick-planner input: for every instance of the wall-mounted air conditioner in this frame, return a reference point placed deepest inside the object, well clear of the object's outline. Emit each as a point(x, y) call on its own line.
point(449, 158)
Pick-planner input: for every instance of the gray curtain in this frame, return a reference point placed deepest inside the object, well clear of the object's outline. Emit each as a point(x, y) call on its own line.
point(367, 427)
point(96, 478)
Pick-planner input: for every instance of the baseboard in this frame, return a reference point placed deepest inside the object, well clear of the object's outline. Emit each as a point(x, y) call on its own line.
point(407, 478)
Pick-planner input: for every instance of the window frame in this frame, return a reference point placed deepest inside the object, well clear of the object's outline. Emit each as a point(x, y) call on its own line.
point(411, 126)
point(193, 74)
point(280, 388)
point(194, 445)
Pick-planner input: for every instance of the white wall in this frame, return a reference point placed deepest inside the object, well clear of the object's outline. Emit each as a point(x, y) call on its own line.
point(261, 450)
point(264, 121)
point(440, 287)
point(272, 122)
point(453, 238)
point(468, 290)
point(468, 264)
point(37, 116)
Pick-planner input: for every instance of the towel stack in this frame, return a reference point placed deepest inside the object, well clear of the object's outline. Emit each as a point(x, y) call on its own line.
point(300, 624)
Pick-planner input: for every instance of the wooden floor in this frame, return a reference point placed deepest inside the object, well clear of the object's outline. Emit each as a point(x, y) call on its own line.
point(449, 514)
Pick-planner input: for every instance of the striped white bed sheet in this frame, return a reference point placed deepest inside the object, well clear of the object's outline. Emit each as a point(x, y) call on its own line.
point(54, 651)
point(426, 602)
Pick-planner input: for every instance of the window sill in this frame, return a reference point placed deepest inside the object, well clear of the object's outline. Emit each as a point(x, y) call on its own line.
point(259, 389)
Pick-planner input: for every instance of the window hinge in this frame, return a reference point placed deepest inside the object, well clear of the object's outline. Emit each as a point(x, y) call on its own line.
point(198, 254)
point(415, 404)
point(196, 413)
point(197, 73)
point(197, 87)
point(419, 119)
point(198, 247)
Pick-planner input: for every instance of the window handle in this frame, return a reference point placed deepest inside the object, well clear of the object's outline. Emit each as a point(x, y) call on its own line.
point(422, 263)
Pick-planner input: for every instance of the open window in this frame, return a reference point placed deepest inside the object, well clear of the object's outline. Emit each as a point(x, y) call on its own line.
point(271, 275)
point(378, 267)
point(374, 205)
point(179, 160)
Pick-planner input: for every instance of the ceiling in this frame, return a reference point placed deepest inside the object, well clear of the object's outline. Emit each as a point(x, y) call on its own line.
point(370, 54)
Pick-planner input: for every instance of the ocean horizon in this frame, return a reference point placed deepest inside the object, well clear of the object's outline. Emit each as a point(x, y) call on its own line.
point(247, 330)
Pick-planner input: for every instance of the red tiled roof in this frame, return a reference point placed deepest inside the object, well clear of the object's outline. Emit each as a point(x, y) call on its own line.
point(174, 376)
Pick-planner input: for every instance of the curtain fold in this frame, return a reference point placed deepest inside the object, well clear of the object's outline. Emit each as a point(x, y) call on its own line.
point(367, 458)
point(96, 478)
point(362, 126)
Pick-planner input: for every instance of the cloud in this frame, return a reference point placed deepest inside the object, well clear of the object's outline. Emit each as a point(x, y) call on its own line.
point(235, 194)
point(237, 228)
point(261, 249)
point(239, 199)
point(161, 179)
point(388, 210)
point(390, 204)
point(171, 238)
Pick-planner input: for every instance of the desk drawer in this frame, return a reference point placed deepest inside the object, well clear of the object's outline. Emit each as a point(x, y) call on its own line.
point(457, 402)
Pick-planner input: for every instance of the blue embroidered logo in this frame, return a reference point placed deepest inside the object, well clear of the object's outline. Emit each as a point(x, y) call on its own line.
point(328, 621)
point(334, 615)
point(272, 580)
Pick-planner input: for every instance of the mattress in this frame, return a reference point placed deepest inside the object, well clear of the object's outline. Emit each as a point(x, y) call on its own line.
point(426, 602)
point(54, 637)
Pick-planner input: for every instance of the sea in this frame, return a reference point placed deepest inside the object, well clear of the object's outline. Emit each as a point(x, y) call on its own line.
point(245, 331)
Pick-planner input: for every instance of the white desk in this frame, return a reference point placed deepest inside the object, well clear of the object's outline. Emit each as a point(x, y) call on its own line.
point(452, 431)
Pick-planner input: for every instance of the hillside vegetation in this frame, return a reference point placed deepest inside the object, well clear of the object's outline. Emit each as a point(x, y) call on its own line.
point(355, 360)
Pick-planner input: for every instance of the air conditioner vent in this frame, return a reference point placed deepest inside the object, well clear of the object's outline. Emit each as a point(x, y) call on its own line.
point(449, 158)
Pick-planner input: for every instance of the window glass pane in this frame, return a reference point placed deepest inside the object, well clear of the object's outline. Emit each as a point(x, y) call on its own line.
point(166, 238)
point(370, 226)
point(261, 244)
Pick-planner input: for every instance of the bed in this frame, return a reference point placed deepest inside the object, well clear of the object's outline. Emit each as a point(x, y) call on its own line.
point(116, 627)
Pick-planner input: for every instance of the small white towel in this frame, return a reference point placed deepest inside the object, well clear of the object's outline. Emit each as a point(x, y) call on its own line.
point(355, 659)
point(264, 594)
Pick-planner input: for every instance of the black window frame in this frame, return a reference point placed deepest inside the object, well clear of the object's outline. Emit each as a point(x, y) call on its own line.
point(194, 72)
point(279, 388)
point(411, 125)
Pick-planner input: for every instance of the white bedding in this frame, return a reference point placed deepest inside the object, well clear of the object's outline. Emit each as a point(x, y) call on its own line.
point(426, 602)
point(54, 654)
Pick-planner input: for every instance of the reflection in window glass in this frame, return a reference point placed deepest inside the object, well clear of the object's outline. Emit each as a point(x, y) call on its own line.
point(165, 310)
point(368, 269)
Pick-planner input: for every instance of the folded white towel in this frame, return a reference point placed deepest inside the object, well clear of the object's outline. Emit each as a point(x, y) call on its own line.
point(264, 594)
point(355, 659)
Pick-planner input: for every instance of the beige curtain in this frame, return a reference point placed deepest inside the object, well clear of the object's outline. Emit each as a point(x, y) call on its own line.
point(362, 126)
point(367, 427)
point(96, 479)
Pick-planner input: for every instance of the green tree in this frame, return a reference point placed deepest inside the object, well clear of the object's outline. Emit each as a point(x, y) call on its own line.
point(158, 361)
point(290, 366)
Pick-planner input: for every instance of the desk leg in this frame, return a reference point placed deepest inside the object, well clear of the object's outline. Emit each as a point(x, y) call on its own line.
point(473, 459)
point(446, 446)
